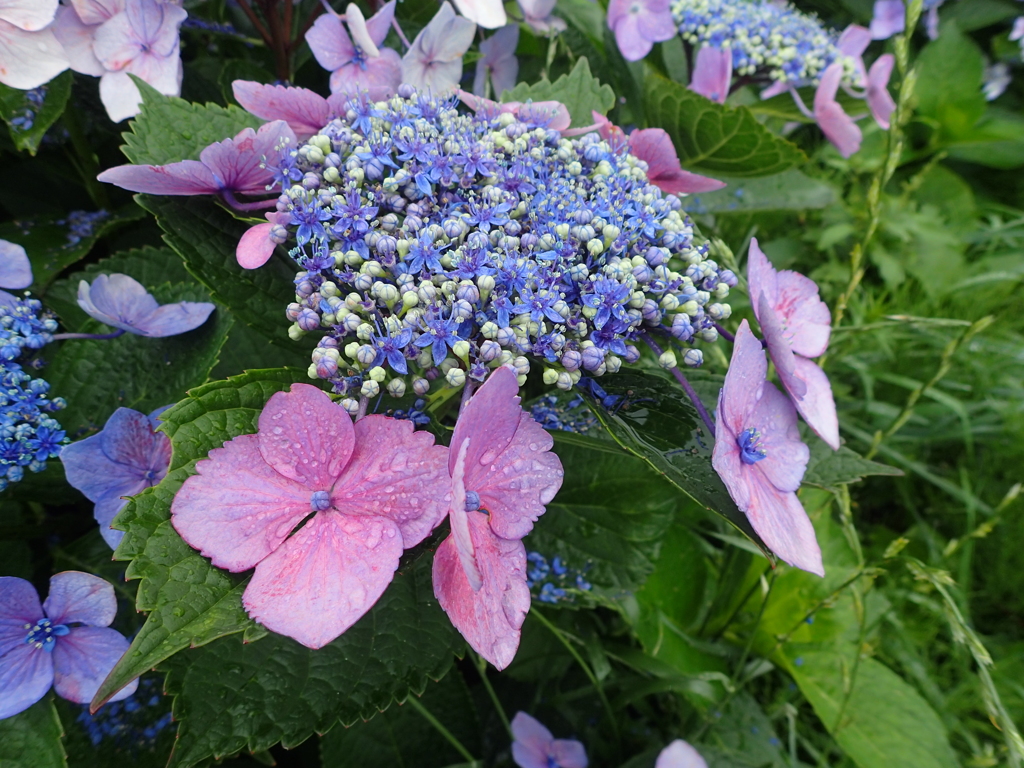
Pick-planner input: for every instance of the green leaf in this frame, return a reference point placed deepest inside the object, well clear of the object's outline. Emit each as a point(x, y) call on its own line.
point(829, 469)
point(652, 418)
point(948, 88)
point(884, 721)
point(579, 90)
point(98, 377)
point(997, 141)
point(15, 104)
point(205, 236)
point(31, 739)
point(743, 737)
point(189, 601)
point(790, 190)
point(979, 14)
point(402, 736)
point(151, 266)
point(169, 129)
point(232, 696)
point(52, 245)
point(598, 524)
point(713, 138)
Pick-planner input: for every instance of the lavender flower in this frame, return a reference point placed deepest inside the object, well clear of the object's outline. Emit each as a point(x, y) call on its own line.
point(15, 270)
point(498, 62)
point(122, 302)
point(434, 62)
point(30, 55)
point(535, 747)
point(638, 25)
point(356, 63)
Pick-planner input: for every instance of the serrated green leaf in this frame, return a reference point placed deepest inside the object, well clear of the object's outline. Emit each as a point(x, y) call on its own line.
point(189, 601)
point(52, 246)
point(151, 266)
point(652, 418)
point(578, 90)
point(232, 696)
point(205, 236)
point(401, 736)
point(830, 469)
point(790, 190)
point(15, 104)
point(598, 524)
point(169, 129)
point(98, 377)
point(713, 138)
point(31, 739)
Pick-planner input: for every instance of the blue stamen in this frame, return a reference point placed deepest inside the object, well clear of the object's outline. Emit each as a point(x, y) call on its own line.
point(44, 634)
point(749, 442)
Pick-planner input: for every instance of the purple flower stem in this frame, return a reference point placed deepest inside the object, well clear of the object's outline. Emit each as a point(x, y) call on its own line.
point(467, 392)
point(96, 336)
point(364, 403)
point(401, 34)
point(724, 333)
point(686, 387)
point(259, 205)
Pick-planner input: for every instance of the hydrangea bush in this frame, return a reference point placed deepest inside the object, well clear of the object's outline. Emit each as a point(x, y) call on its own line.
point(492, 384)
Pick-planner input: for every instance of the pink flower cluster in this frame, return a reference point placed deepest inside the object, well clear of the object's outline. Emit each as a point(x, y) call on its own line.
point(323, 508)
point(758, 452)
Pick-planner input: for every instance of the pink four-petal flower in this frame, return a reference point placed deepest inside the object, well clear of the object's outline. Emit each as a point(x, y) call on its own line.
point(369, 491)
point(356, 63)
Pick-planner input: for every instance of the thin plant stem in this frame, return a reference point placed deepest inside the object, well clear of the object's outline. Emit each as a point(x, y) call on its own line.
point(251, 15)
point(691, 393)
point(93, 336)
point(400, 33)
point(364, 403)
point(727, 335)
point(584, 666)
point(439, 727)
point(481, 667)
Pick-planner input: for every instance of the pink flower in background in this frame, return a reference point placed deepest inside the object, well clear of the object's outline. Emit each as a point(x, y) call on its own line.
point(305, 111)
point(879, 101)
point(535, 747)
point(679, 754)
point(434, 62)
point(373, 488)
point(639, 24)
point(887, 19)
point(760, 458)
point(489, 14)
point(498, 62)
point(500, 460)
point(537, 16)
point(356, 63)
point(796, 325)
point(852, 43)
point(237, 165)
point(712, 74)
point(39, 650)
point(122, 302)
point(15, 270)
point(30, 55)
point(838, 127)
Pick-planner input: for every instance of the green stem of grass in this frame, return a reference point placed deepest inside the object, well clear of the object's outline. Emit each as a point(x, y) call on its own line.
point(439, 727)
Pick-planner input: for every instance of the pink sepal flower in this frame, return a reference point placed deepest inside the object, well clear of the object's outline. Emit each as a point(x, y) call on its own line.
point(305, 111)
point(434, 61)
point(258, 243)
point(30, 54)
point(796, 325)
point(879, 101)
point(538, 17)
point(549, 114)
point(374, 488)
point(854, 40)
point(489, 14)
point(760, 458)
point(498, 62)
point(534, 746)
point(639, 24)
point(679, 754)
point(838, 127)
point(712, 74)
point(356, 63)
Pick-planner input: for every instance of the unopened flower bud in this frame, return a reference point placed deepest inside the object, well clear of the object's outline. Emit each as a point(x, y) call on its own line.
point(693, 358)
point(613, 363)
point(456, 377)
point(709, 334)
point(308, 320)
point(378, 374)
point(719, 311)
point(420, 386)
point(396, 387)
point(366, 354)
point(550, 376)
point(522, 365)
point(572, 360)
point(352, 350)
point(593, 357)
point(461, 349)
point(351, 406)
point(668, 360)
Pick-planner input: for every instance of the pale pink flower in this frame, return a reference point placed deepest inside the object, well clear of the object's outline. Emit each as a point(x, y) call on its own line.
point(887, 19)
point(498, 62)
point(257, 245)
point(535, 747)
point(356, 63)
point(679, 754)
point(500, 460)
point(852, 43)
point(760, 458)
point(30, 55)
point(374, 489)
point(538, 17)
point(489, 14)
point(879, 100)
point(639, 24)
point(712, 74)
point(838, 127)
point(796, 325)
point(434, 61)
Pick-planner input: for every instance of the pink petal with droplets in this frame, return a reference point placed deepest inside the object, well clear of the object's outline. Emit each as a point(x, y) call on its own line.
point(459, 521)
point(305, 111)
point(306, 436)
point(397, 473)
point(324, 578)
point(491, 418)
point(490, 618)
point(237, 509)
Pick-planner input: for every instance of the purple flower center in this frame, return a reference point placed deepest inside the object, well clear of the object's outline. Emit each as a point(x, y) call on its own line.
point(320, 501)
point(472, 501)
point(751, 450)
point(44, 634)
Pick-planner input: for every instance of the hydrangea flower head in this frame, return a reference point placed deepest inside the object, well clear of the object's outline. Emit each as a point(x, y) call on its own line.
point(535, 747)
point(122, 302)
point(500, 460)
point(239, 165)
point(127, 456)
point(679, 754)
point(373, 489)
point(15, 270)
point(639, 24)
point(356, 63)
point(759, 455)
point(483, 238)
point(30, 55)
point(434, 62)
point(796, 325)
point(66, 643)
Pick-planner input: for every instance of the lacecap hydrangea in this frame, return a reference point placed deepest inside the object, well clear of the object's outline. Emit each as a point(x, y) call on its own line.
point(435, 244)
point(765, 38)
